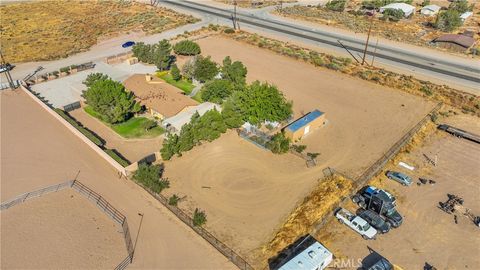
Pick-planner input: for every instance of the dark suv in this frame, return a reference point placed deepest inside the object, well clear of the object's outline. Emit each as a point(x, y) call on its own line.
point(375, 220)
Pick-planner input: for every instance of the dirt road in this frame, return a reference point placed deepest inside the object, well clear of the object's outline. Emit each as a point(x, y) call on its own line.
point(37, 151)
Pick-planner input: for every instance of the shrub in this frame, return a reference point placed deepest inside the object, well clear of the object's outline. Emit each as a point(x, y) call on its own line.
point(229, 31)
point(149, 124)
point(461, 6)
point(448, 21)
point(279, 144)
point(173, 200)
point(425, 89)
point(336, 5)
point(393, 14)
point(313, 155)
point(117, 157)
point(199, 217)
point(150, 176)
point(299, 148)
point(187, 47)
point(64, 69)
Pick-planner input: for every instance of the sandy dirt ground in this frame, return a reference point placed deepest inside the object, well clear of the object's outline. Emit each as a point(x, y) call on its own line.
point(428, 235)
point(37, 151)
point(246, 191)
point(364, 119)
point(132, 149)
point(77, 234)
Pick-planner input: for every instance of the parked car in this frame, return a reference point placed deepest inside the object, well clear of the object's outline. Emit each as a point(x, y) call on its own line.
point(399, 177)
point(6, 67)
point(356, 223)
point(381, 202)
point(128, 44)
point(375, 220)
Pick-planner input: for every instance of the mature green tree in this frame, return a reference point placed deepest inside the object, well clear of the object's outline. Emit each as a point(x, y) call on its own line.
point(448, 21)
point(111, 101)
point(232, 116)
point(150, 176)
point(162, 55)
point(260, 102)
point(93, 77)
point(235, 72)
point(158, 54)
point(205, 69)
point(175, 72)
point(188, 68)
point(217, 90)
point(279, 144)
point(141, 51)
point(187, 47)
point(169, 147)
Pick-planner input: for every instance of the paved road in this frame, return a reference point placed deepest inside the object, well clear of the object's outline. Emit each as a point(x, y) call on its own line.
point(429, 63)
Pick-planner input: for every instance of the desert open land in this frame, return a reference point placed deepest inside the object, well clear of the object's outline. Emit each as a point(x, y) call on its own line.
point(428, 235)
point(37, 31)
point(77, 234)
point(248, 192)
point(38, 151)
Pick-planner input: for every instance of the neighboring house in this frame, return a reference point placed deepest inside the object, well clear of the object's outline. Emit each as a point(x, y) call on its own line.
point(306, 254)
point(161, 99)
point(305, 124)
point(457, 42)
point(430, 10)
point(406, 8)
point(466, 15)
point(175, 123)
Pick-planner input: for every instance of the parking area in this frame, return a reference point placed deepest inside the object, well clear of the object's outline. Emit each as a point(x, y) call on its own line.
point(428, 235)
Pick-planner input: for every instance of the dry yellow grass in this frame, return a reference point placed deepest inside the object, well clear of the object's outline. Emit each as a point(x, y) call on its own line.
point(255, 3)
point(315, 206)
point(47, 30)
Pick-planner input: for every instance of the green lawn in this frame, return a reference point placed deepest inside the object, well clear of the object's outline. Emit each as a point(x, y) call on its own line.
point(132, 128)
point(182, 84)
point(198, 96)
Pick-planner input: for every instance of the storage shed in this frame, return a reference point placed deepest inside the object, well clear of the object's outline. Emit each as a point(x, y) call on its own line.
point(305, 124)
point(456, 42)
point(406, 8)
point(430, 10)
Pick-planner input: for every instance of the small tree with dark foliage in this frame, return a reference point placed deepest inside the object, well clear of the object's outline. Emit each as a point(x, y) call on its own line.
point(187, 47)
point(205, 69)
point(199, 217)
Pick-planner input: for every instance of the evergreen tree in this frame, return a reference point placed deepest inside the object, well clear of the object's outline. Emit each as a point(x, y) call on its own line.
point(187, 47)
point(161, 55)
point(175, 72)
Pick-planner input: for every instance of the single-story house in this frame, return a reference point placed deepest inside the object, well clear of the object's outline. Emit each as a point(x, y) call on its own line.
point(406, 8)
point(161, 99)
point(305, 124)
point(175, 123)
point(430, 10)
point(306, 253)
point(466, 15)
point(456, 42)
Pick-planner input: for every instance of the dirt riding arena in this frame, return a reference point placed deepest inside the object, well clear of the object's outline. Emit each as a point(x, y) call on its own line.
point(246, 191)
point(37, 151)
point(427, 235)
point(60, 230)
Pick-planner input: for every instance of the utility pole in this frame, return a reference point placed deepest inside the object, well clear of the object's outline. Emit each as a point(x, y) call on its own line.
point(374, 52)
point(368, 38)
point(235, 14)
point(138, 233)
point(3, 63)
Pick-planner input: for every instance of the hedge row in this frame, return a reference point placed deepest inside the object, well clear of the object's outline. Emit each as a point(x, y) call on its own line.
point(118, 158)
point(92, 137)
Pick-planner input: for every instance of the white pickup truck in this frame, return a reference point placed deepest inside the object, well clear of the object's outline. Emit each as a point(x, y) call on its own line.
point(356, 223)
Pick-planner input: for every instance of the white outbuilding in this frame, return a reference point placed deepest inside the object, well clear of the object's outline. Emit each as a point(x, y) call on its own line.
point(307, 254)
point(430, 10)
point(466, 15)
point(406, 8)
